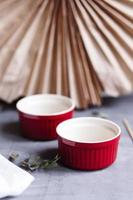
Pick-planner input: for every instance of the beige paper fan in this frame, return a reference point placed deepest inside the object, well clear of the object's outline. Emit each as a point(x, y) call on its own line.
point(78, 48)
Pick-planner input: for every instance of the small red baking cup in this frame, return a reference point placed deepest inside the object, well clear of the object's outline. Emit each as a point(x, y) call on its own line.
point(40, 114)
point(88, 143)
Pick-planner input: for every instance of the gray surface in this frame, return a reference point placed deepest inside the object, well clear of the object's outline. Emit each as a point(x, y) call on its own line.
point(112, 183)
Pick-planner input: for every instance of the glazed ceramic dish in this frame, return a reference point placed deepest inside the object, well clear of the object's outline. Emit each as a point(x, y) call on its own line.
point(40, 114)
point(88, 143)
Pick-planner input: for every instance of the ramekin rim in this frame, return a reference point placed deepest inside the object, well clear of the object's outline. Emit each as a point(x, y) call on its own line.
point(72, 107)
point(90, 142)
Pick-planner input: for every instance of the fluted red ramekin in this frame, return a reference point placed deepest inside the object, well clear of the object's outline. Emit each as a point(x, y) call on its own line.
point(88, 143)
point(40, 114)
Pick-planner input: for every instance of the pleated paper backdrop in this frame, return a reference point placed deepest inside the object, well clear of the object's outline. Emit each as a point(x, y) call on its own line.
point(78, 48)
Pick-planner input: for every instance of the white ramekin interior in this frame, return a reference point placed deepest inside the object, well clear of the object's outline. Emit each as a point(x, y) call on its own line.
point(45, 104)
point(88, 130)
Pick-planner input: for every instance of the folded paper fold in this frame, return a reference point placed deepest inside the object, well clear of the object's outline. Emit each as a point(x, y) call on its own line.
point(13, 180)
point(82, 49)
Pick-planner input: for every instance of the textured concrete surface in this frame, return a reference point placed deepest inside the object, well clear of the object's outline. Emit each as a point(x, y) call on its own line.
point(112, 183)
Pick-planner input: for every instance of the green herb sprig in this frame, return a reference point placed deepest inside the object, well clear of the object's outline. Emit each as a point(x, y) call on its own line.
point(35, 162)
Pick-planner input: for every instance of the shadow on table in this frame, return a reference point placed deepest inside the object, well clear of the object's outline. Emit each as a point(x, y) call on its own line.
point(11, 130)
point(114, 101)
point(48, 153)
point(51, 153)
point(6, 106)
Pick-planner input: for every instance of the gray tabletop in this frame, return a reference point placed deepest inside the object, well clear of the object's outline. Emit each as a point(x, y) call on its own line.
point(112, 183)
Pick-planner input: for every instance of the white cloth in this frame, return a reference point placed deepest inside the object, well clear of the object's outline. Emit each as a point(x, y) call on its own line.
point(13, 180)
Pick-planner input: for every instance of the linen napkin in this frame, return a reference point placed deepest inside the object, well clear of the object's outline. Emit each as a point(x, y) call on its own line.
point(13, 180)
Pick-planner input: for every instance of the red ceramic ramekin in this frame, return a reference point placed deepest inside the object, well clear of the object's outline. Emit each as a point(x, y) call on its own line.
point(40, 114)
point(88, 143)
